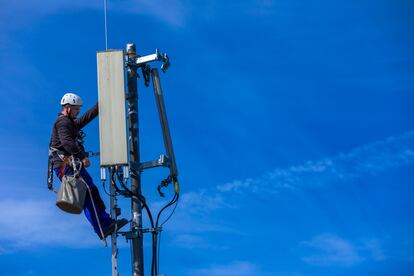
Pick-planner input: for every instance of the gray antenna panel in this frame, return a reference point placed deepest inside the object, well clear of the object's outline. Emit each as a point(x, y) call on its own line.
point(112, 115)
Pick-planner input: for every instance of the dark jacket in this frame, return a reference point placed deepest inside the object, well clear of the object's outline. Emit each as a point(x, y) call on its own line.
point(67, 135)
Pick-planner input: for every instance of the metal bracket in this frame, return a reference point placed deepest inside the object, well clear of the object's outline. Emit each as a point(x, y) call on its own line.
point(163, 161)
point(140, 61)
point(151, 230)
point(136, 233)
point(133, 234)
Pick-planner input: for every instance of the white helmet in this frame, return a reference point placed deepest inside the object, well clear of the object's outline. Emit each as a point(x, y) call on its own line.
point(72, 99)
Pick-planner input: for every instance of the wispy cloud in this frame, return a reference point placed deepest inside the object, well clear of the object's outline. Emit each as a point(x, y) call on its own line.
point(374, 250)
point(369, 159)
point(331, 250)
point(203, 202)
point(26, 224)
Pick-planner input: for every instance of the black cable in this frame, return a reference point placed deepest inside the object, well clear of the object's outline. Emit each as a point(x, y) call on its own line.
point(165, 221)
point(113, 182)
point(156, 246)
point(159, 250)
point(106, 192)
point(173, 200)
point(132, 253)
point(155, 253)
point(139, 197)
point(154, 265)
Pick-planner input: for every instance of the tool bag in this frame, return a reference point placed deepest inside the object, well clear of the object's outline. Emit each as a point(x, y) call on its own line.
point(71, 195)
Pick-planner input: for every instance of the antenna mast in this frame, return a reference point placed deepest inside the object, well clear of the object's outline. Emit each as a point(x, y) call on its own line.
point(106, 26)
point(119, 146)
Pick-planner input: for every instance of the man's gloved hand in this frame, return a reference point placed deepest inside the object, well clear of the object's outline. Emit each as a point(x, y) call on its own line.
point(86, 163)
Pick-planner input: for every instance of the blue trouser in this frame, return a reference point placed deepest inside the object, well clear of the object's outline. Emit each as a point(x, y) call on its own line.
point(103, 216)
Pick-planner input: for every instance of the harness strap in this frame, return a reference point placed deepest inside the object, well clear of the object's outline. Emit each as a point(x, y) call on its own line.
point(59, 153)
point(62, 168)
point(75, 166)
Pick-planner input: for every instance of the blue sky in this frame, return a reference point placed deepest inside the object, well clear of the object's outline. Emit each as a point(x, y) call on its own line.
point(291, 122)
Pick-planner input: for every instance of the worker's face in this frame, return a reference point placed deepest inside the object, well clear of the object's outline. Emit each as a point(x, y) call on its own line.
point(74, 111)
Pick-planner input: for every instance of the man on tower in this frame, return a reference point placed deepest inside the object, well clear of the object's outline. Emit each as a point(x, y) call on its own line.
point(66, 141)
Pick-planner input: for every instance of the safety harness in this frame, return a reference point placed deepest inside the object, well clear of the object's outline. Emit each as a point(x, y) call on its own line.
point(75, 166)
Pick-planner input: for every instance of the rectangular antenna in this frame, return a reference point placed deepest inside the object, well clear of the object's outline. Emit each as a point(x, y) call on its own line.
point(112, 115)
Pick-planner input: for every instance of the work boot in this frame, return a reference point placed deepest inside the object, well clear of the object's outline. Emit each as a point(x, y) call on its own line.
point(108, 230)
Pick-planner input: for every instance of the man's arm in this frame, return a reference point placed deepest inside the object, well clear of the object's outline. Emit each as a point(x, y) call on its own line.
point(88, 116)
point(64, 128)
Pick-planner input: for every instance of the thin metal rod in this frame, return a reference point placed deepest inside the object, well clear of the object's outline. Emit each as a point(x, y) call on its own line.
point(106, 27)
point(114, 235)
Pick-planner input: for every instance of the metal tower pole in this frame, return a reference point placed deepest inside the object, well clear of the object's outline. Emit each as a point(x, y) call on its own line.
point(137, 242)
